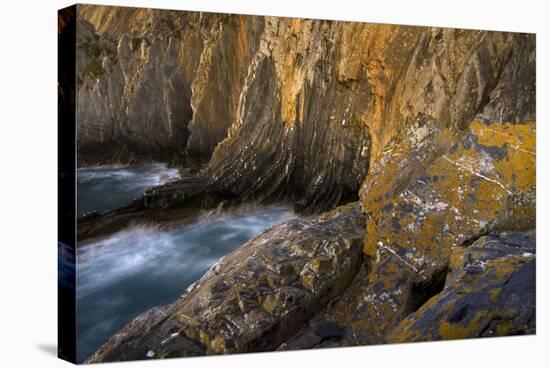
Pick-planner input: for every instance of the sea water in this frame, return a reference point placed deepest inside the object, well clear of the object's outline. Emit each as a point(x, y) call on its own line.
point(124, 274)
point(102, 188)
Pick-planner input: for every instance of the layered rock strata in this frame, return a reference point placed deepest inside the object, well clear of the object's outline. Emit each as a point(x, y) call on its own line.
point(281, 108)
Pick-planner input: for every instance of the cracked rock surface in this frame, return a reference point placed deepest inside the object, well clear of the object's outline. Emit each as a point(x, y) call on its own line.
point(490, 291)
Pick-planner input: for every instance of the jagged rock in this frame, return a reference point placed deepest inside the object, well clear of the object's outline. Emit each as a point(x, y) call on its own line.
point(132, 99)
point(336, 316)
point(138, 84)
point(324, 125)
point(257, 297)
point(499, 299)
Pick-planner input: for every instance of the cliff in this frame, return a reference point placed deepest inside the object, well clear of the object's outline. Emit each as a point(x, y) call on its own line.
point(141, 72)
point(429, 131)
point(280, 107)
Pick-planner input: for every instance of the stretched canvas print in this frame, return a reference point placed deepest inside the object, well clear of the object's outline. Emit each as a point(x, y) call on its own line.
point(241, 183)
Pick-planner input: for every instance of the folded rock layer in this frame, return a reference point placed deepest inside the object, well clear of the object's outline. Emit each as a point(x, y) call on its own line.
point(281, 107)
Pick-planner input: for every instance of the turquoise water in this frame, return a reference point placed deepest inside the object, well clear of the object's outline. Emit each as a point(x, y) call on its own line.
point(125, 274)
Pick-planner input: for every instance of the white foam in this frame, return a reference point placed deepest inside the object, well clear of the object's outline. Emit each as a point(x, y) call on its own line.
point(142, 251)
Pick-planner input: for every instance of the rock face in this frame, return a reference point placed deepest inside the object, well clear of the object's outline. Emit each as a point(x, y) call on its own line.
point(142, 70)
point(428, 133)
point(279, 107)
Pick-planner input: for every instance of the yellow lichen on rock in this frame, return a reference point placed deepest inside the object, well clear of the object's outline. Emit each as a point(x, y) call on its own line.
point(416, 216)
point(481, 294)
point(467, 190)
point(402, 161)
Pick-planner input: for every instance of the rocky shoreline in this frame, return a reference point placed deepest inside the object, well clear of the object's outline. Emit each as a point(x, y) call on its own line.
point(409, 151)
point(318, 282)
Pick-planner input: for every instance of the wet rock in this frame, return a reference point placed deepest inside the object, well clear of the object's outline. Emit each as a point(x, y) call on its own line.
point(171, 204)
point(261, 305)
point(497, 300)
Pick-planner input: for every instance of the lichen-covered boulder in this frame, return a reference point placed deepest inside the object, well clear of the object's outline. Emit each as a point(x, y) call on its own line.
point(490, 291)
point(255, 298)
point(484, 182)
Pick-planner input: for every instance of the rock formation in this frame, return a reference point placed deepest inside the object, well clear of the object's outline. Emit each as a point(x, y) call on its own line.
point(428, 133)
point(285, 108)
